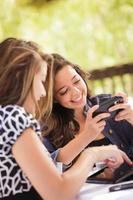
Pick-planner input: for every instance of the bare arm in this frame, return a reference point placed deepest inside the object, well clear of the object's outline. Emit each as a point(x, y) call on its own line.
point(72, 149)
point(33, 158)
point(92, 129)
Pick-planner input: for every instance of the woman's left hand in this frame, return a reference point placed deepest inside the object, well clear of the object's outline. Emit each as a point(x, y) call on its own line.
point(127, 110)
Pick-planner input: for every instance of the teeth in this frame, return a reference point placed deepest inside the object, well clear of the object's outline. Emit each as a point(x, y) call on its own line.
point(76, 100)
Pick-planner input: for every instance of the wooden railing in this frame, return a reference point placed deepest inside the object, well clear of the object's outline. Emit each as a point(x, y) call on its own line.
point(112, 79)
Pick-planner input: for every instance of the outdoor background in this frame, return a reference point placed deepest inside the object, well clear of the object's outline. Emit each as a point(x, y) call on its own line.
point(91, 33)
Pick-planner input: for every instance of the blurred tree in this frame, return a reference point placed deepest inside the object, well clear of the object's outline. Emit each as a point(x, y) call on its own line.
point(92, 33)
point(35, 3)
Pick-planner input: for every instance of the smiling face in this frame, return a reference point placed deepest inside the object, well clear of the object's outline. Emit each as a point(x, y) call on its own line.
point(69, 88)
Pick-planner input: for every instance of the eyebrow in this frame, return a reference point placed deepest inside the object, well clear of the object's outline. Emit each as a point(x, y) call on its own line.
point(60, 89)
point(74, 77)
point(64, 86)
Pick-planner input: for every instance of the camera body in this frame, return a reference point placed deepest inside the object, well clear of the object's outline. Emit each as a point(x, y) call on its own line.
point(105, 105)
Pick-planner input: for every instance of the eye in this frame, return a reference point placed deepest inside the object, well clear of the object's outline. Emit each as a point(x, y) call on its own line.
point(63, 92)
point(77, 81)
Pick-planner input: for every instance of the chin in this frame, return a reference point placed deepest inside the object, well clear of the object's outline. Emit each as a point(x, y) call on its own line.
point(80, 106)
point(83, 102)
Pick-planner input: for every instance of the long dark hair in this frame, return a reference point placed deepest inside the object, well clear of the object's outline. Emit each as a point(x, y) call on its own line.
point(61, 126)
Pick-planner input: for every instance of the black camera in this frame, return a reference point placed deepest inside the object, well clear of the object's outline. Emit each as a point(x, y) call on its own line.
point(105, 105)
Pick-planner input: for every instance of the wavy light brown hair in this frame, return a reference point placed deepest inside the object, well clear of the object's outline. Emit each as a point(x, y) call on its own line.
point(61, 126)
point(19, 62)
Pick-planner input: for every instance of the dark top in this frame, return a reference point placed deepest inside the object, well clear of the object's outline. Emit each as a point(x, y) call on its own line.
point(104, 141)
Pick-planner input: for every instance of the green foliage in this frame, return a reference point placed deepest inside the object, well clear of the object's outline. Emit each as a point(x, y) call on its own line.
point(91, 33)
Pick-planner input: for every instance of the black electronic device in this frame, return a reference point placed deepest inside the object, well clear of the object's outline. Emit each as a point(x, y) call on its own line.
point(121, 186)
point(105, 105)
point(106, 175)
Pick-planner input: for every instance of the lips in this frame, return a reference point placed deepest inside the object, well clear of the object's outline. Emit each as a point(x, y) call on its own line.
point(78, 100)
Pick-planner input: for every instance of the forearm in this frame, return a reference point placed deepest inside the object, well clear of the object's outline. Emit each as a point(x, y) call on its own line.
point(75, 177)
point(43, 174)
point(69, 183)
point(73, 148)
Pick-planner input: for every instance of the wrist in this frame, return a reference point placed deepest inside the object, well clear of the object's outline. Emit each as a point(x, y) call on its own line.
point(86, 137)
point(93, 153)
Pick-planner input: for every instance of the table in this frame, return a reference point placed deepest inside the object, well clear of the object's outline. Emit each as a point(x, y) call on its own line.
point(91, 191)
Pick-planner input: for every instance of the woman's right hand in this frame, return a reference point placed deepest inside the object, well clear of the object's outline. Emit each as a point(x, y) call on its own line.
point(112, 156)
point(94, 125)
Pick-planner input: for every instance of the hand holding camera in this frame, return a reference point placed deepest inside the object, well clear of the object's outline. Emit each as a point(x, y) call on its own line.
point(105, 105)
point(114, 107)
point(126, 109)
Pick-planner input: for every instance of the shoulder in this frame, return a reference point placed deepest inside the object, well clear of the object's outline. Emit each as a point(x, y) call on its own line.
point(16, 117)
point(11, 110)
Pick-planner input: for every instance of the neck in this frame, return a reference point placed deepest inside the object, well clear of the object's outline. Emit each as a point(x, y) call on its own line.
point(79, 115)
point(29, 105)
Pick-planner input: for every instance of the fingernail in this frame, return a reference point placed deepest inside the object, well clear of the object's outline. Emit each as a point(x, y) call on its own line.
point(116, 118)
point(131, 163)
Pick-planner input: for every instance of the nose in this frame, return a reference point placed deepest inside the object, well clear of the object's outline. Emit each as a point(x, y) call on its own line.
point(43, 92)
point(75, 92)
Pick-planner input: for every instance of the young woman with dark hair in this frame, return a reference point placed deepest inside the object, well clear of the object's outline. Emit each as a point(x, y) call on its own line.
point(68, 130)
